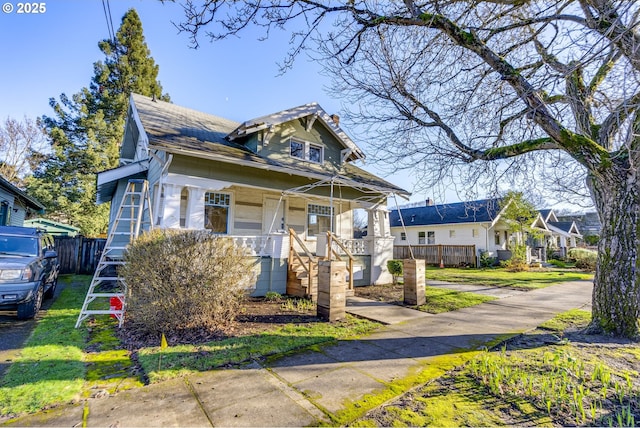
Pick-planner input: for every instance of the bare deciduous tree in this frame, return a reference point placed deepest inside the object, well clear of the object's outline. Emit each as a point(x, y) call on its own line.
point(487, 92)
point(19, 141)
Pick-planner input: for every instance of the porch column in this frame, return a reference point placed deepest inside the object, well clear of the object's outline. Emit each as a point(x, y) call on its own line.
point(380, 246)
point(171, 217)
point(195, 208)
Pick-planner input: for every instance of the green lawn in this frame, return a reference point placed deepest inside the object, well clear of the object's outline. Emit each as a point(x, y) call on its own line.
point(442, 300)
point(498, 277)
point(60, 363)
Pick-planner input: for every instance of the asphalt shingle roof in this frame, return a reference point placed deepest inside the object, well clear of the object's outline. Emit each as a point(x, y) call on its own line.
point(485, 210)
point(177, 129)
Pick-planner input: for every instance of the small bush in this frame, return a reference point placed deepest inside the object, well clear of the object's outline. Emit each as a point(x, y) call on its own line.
point(395, 269)
point(518, 260)
point(486, 260)
point(181, 281)
point(272, 296)
point(584, 259)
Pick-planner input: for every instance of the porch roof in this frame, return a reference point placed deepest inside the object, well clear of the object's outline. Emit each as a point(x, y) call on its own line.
point(179, 130)
point(108, 180)
point(566, 228)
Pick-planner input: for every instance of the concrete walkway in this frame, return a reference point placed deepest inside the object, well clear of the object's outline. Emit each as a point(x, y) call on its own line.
point(301, 389)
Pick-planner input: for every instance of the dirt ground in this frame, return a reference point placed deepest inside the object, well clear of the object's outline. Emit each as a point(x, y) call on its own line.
point(390, 293)
point(256, 315)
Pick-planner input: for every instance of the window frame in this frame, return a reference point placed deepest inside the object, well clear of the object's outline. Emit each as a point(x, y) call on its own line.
point(431, 237)
point(306, 149)
point(228, 197)
point(320, 214)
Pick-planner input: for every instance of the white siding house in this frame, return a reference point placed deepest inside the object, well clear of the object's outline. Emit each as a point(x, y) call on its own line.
point(477, 223)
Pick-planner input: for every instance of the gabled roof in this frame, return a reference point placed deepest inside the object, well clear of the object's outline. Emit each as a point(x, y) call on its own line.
point(482, 211)
point(548, 215)
point(179, 130)
point(28, 200)
point(312, 111)
point(567, 228)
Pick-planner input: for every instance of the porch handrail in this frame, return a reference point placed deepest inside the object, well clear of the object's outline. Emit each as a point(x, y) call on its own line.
point(294, 253)
point(331, 237)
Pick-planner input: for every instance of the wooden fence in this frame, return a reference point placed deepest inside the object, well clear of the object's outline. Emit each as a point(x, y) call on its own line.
point(449, 255)
point(78, 255)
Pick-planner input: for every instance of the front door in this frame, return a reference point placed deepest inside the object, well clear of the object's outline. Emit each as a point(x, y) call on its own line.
point(273, 213)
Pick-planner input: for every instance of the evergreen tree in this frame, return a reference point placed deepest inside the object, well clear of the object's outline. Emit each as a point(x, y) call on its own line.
point(86, 131)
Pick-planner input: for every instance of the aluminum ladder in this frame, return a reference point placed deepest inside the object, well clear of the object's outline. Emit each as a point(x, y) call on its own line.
point(107, 285)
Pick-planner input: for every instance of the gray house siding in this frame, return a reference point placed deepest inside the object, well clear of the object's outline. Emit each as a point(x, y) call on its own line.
point(186, 165)
point(279, 144)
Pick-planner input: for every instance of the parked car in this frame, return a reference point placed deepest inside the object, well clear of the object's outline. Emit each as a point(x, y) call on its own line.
point(28, 269)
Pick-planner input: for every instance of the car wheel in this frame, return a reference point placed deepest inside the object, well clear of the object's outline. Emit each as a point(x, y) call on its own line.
point(52, 289)
point(29, 309)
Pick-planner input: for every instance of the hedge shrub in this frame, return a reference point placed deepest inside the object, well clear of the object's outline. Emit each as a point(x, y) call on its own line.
point(183, 280)
point(584, 259)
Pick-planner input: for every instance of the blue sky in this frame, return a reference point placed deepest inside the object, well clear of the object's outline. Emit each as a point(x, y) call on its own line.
point(44, 55)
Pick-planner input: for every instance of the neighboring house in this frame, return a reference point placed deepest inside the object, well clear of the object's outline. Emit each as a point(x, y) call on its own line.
point(253, 181)
point(588, 223)
point(53, 227)
point(476, 223)
point(16, 205)
point(563, 235)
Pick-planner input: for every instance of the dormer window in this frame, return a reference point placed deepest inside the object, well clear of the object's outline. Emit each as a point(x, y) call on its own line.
point(306, 151)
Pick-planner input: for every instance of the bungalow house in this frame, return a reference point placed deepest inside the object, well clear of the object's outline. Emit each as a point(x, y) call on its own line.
point(16, 205)
point(476, 224)
point(563, 235)
point(275, 184)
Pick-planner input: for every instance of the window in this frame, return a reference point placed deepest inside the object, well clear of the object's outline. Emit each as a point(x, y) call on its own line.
point(497, 238)
point(431, 238)
point(306, 151)
point(421, 237)
point(216, 211)
point(184, 201)
point(452, 233)
point(297, 150)
point(315, 153)
point(474, 233)
point(403, 236)
point(4, 213)
point(318, 219)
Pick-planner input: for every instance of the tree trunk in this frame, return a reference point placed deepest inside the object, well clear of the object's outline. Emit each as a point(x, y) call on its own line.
point(616, 292)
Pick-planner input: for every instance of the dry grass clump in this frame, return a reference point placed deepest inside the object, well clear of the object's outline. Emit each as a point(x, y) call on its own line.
point(184, 280)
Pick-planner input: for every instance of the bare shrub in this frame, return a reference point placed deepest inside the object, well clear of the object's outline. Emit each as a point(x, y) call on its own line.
point(184, 280)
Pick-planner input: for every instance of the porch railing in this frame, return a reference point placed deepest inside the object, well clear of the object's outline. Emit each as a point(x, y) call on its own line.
point(295, 254)
point(254, 245)
point(331, 251)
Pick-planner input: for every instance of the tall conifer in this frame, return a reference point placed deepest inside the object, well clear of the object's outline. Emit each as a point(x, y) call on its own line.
point(87, 128)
